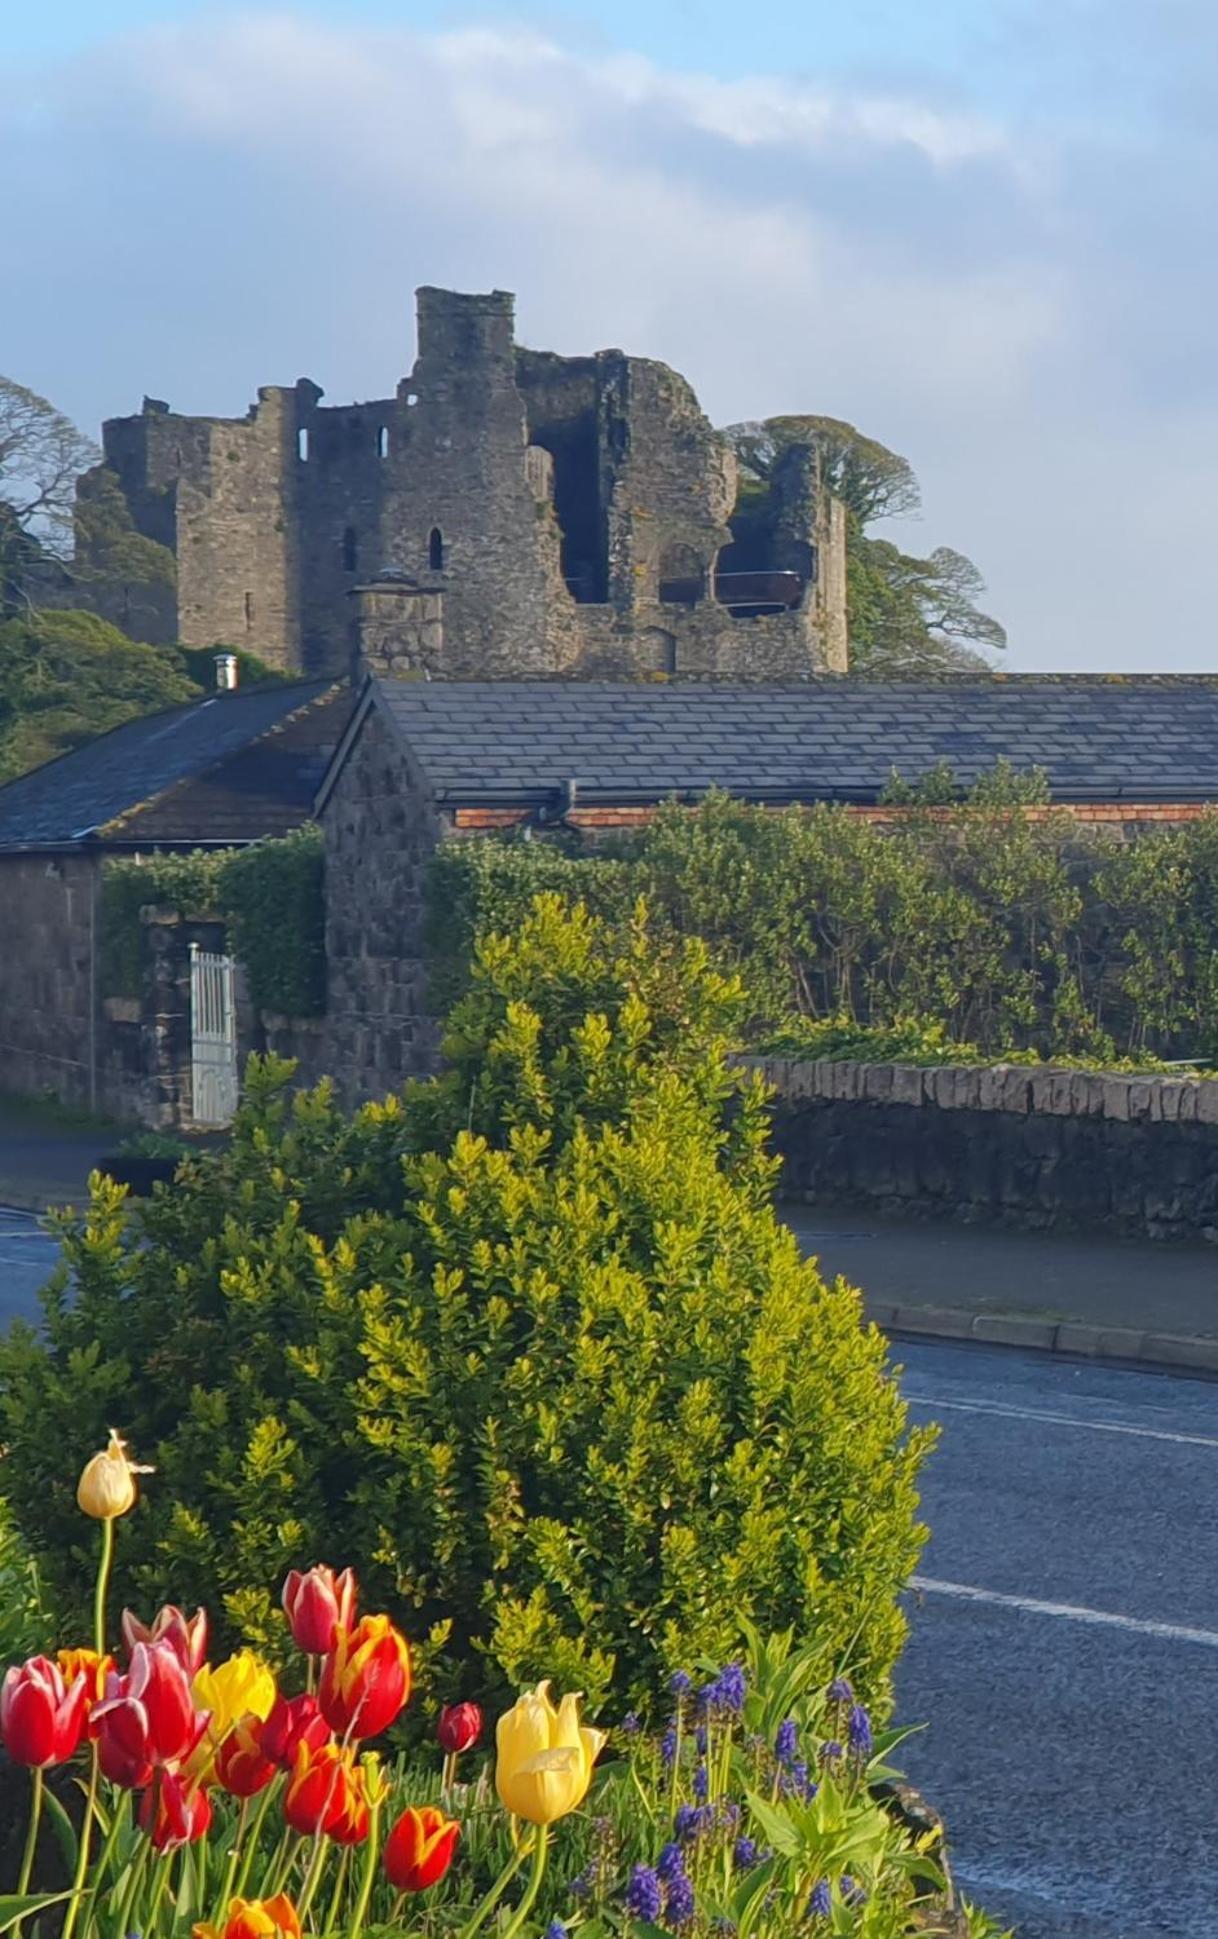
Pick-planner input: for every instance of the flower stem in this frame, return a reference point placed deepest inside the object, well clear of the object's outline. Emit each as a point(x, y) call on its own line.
point(82, 1850)
point(371, 1854)
point(234, 1859)
point(340, 1886)
point(313, 1876)
point(255, 1838)
point(497, 1890)
point(31, 1836)
point(103, 1584)
point(533, 1887)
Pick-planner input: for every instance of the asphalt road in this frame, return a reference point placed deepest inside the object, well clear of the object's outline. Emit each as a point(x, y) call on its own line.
point(1064, 1639)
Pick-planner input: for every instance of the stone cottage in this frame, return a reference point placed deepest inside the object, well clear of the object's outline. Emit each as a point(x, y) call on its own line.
point(216, 773)
point(422, 761)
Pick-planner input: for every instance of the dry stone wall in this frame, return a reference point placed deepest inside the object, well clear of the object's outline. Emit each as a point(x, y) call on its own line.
point(1010, 1144)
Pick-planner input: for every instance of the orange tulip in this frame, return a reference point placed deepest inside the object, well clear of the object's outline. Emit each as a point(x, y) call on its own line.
point(419, 1849)
point(365, 1680)
point(255, 1919)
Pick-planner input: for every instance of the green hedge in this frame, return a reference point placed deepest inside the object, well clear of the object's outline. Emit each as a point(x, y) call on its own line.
point(270, 897)
point(955, 931)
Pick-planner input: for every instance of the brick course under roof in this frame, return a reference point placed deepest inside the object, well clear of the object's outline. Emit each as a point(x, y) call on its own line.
point(257, 756)
point(1136, 738)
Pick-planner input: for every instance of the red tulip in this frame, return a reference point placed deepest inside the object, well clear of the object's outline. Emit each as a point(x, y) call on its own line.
point(186, 1635)
point(317, 1605)
point(353, 1827)
point(318, 1798)
point(42, 1716)
point(242, 1766)
point(419, 1849)
point(459, 1727)
point(174, 1813)
point(150, 1719)
point(293, 1721)
point(365, 1680)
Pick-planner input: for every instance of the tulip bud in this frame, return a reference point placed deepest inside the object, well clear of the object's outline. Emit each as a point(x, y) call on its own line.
point(318, 1799)
point(545, 1757)
point(275, 1918)
point(317, 1605)
point(419, 1849)
point(365, 1680)
point(107, 1488)
point(293, 1721)
point(241, 1764)
point(459, 1727)
point(174, 1813)
point(41, 1716)
point(187, 1635)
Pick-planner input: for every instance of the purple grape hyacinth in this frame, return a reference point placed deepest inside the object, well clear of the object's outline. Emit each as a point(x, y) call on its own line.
point(644, 1895)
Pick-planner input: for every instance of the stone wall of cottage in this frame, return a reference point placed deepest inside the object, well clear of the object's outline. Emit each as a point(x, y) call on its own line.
point(381, 828)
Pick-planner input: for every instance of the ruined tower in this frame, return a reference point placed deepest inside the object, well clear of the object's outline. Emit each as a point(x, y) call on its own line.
point(508, 512)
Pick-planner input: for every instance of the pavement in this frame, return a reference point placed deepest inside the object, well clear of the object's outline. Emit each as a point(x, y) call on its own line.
point(43, 1162)
point(1132, 1302)
point(1064, 1640)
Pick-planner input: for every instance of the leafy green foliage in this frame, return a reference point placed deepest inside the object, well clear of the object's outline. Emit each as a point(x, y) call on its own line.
point(529, 1346)
point(24, 1624)
point(955, 929)
point(68, 676)
point(108, 546)
point(271, 896)
point(908, 618)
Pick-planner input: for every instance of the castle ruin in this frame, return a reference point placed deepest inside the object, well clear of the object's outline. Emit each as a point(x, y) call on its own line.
point(509, 512)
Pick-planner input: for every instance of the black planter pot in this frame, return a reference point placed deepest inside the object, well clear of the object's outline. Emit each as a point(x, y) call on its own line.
point(139, 1175)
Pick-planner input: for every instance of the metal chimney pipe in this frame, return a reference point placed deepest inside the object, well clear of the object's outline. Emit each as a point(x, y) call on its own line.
point(226, 672)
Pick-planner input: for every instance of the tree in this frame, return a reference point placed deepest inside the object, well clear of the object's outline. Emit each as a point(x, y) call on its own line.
point(871, 481)
point(42, 454)
point(66, 676)
point(908, 617)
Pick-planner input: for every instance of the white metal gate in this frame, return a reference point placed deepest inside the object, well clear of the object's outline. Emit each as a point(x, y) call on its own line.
point(213, 1038)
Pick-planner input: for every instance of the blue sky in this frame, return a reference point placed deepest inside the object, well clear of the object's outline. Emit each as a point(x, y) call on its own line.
point(981, 229)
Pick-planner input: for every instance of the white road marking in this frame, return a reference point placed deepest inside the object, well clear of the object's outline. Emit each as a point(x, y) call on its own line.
point(1005, 1412)
point(1064, 1611)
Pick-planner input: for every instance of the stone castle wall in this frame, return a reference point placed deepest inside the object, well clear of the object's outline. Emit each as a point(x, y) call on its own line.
point(551, 498)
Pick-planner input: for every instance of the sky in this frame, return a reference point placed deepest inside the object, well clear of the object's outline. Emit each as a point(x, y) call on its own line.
point(982, 230)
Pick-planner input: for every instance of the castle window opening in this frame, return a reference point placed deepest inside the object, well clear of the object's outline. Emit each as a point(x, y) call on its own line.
point(302, 444)
point(435, 550)
point(350, 550)
point(382, 442)
point(249, 609)
point(412, 398)
point(682, 576)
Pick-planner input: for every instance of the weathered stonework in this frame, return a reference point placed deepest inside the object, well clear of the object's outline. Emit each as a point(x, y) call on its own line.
point(572, 512)
point(380, 834)
point(1008, 1144)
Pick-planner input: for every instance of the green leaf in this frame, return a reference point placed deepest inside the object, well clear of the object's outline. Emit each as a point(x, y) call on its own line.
point(776, 1825)
point(15, 1906)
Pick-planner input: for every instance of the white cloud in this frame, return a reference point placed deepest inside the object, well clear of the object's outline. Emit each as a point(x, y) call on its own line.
point(239, 201)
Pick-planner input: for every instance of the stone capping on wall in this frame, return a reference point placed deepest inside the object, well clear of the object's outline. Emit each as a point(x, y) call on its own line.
point(1021, 1089)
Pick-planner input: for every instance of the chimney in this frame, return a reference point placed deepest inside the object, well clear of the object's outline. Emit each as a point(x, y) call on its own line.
point(226, 672)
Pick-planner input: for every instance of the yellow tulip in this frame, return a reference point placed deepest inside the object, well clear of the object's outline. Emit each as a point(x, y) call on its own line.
point(242, 1686)
point(107, 1488)
point(544, 1760)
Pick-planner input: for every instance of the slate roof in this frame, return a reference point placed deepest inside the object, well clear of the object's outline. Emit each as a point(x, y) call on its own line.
point(1098, 738)
point(232, 767)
